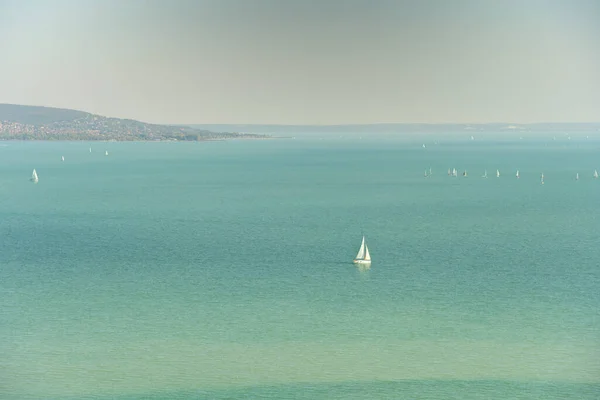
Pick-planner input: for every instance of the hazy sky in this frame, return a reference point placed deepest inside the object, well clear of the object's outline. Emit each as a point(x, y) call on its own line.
point(305, 62)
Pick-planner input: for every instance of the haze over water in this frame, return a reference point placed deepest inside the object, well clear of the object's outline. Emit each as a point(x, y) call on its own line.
point(223, 270)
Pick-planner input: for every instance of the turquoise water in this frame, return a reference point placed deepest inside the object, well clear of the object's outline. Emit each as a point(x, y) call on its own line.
point(223, 270)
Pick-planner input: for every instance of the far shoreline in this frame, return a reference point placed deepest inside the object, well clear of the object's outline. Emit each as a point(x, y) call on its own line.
point(144, 141)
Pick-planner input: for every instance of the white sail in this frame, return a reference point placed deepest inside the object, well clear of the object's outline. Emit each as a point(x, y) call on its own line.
point(449, 172)
point(485, 174)
point(367, 255)
point(361, 251)
point(542, 180)
point(517, 174)
point(497, 173)
point(34, 176)
point(363, 257)
point(595, 173)
point(90, 149)
point(106, 153)
point(577, 177)
point(454, 172)
point(63, 158)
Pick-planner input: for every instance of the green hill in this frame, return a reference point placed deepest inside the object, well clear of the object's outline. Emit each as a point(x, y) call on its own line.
point(19, 122)
point(34, 115)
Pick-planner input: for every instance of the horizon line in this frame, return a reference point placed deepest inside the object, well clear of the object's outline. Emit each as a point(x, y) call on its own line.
point(308, 124)
point(391, 123)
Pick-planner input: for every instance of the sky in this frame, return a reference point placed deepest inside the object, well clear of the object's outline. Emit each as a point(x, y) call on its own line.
point(305, 62)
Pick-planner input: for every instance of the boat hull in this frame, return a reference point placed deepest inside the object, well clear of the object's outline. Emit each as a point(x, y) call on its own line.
point(362, 262)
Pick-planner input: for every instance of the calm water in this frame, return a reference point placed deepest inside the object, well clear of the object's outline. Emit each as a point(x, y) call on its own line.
point(223, 270)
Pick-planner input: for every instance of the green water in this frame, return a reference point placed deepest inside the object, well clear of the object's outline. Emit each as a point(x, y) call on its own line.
point(223, 270)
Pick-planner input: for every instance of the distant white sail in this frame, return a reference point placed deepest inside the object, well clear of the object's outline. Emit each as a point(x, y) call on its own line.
point(63, 158)
point(361, 251)
point(485, 174)
point(517, 174)
point(363, 256)
point(542, 180)
point(34, 176)
point(595, 173)
point(497, 174)
point(577, 177)
point(106, 153)
point(90, 149)
point(367, 255)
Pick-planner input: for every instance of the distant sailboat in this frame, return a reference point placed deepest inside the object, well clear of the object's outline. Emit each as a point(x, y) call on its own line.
point(363, 257)
point(449, 172)
point(595, 173)
point(90, 149)
point(106, 153)
point(34, 177)
point(423, 145)
point(429, 171)
point(465, 173)
point(497, 173)
point(485, 174)
point(63, 158)
point(426, 176)
point(517, 174)
point(542, 180)
point(577, 177)
point(454, 172)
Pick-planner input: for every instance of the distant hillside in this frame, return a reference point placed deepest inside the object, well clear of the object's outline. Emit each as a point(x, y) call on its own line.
point(399, 128)
point(18, 122)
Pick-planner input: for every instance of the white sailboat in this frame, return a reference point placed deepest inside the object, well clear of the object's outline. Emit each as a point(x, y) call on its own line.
point(484, 174)
point(90, 149)
point(497, 173)
point(542, 180)
point(577, 177)
point(454, 172)
point(429, 171)
point(517, 174)
point(363, 257)
point(106, 153)
point(63, 158)
point(449, 172)
point(426, 176)
point(595, 173)
point(34, 177)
